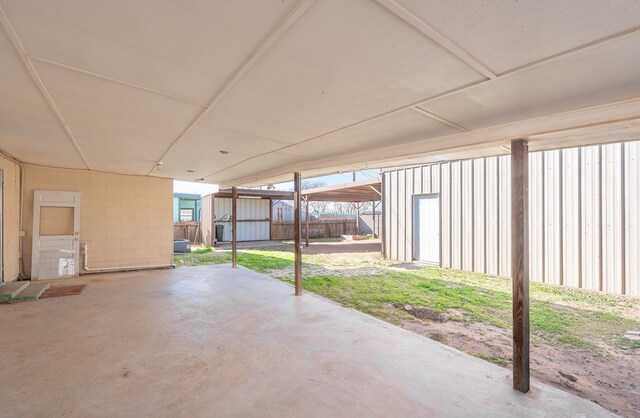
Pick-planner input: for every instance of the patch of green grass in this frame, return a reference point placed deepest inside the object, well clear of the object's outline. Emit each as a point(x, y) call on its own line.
point(263, 261)
point(575, 318)
point(202, 250)
point(258, 260)
point(479, 299)
point(196, 259)
point(492, 359)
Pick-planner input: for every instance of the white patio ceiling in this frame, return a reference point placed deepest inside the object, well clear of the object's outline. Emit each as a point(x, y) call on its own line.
point(312, 86)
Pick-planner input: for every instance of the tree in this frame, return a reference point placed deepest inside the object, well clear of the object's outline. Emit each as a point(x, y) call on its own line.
point(314, 184)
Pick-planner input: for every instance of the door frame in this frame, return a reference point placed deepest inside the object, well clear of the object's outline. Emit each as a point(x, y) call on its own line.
point(2, 278)
point(415, 225)
point(67, 199)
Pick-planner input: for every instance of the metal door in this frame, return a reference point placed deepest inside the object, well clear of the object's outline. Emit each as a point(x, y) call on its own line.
point(56, 233)
point(426, 228)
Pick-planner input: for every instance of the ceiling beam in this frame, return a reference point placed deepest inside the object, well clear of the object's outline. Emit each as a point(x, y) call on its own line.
point(266, 44)
point(115, 80)
point(440, 119)
point(15, 40)
point(493, 136)
point(438, 37)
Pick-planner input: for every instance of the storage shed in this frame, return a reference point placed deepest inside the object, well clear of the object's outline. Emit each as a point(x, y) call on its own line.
point(253, 210)
point(583, 211)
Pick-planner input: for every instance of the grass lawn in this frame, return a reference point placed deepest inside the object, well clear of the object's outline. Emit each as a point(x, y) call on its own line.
point(558, 315)
point(573, 332)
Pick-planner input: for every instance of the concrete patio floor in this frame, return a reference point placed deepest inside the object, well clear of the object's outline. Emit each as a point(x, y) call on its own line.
point(212, 341)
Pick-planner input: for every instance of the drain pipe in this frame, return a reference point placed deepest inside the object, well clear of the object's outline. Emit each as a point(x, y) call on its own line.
point(88, 269)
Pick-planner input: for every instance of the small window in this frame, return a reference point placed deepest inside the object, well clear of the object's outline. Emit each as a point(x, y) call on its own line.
point(186, 215)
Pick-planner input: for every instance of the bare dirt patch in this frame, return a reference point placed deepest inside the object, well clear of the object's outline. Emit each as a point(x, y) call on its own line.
point(611, 380)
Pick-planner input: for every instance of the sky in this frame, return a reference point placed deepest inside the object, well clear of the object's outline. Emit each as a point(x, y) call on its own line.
point(204, 189)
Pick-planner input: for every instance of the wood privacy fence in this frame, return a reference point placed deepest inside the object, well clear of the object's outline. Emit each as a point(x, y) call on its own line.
point(187, 230)
point(321, 229)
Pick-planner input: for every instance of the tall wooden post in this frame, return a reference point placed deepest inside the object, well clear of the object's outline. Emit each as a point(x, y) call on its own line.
point(373, 220)
point(234, 224)
point(520, 262)
point(297, 229)
point(307, 222)
point(383, 220)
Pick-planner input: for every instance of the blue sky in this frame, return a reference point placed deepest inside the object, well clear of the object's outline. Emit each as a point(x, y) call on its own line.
point(205, 189)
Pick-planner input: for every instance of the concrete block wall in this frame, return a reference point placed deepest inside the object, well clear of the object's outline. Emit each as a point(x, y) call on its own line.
point(11, 219)
point(125, 220)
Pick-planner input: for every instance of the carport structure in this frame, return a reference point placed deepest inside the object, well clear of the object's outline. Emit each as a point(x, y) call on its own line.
point(112, 100)
point(367, 190)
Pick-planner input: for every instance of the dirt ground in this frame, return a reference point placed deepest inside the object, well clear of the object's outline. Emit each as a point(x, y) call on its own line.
point(611, 379)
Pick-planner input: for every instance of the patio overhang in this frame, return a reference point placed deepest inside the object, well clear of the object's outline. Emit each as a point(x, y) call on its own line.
point(368, 190)
point(246, 93)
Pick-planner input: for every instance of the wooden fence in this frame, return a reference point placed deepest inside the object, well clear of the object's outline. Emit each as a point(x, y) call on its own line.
point(321, 229)
point(187, 230)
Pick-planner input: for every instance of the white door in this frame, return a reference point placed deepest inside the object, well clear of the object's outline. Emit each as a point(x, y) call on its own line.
point(426, 229)
point(56, 232)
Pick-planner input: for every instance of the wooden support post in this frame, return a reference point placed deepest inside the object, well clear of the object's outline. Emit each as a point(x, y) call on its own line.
point(383, 220)
point(357, 218)
point(307, 222)
point(520, 262)
point(373, 220)
point(297, 189)
point(234, 224)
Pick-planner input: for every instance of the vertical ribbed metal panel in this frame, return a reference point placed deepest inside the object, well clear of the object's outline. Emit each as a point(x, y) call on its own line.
point(445, 214)
point(590, 219)
point(435, 178)
point(418, 184)
point(206, 220)
point(552, 217)
point(505, 216)
point(408, 216)
point(492, 215)
point(393, 215)
point(479, 215)
point(402, 226)
point(570, 217)
point(611, 218)
point(426, 178)
point(578, 238)
point(536, 245)
point(632, 218)
point(456, 215)
point(389, 218)
point(467, 215)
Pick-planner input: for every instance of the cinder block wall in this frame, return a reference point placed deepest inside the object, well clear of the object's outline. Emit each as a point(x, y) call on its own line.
point(11, 219)
point(125, 220)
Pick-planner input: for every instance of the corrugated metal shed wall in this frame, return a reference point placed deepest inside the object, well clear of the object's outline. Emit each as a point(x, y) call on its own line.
point(584, 217)
point(206, 220)
point(253, 218)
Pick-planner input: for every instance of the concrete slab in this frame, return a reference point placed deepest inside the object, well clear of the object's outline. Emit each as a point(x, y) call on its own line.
point(213, 341)
point(33, 291)
point(10, 290)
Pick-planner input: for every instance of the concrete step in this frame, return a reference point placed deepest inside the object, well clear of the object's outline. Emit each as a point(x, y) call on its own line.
point(10, 290)
point(34, 291)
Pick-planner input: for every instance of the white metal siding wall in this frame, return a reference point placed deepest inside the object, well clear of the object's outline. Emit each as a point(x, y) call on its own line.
point(206, 220)
point(632, 218)
point(584, 216)
point(590, 169)
point(492, 215)
point(254, 213)
point(571, 234)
